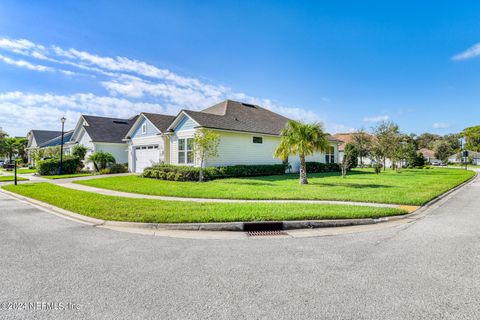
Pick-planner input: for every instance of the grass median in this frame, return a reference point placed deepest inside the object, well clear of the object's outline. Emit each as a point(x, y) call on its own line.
point(410, 187)
point(147, 210)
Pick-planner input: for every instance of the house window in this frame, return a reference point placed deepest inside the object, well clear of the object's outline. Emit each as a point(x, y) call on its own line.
point(330, 155)
point(144, 128)
point(257, 140)
point(185, 150)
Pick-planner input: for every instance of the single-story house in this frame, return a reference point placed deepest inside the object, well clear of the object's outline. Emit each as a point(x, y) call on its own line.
point(249, 134)
point(472, 155)
point(346, 138)
point(428, 154)
point(101, 134)
point(36, 139)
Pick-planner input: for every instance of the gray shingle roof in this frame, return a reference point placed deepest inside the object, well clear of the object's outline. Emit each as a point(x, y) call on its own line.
point(244, 117)
point(103, 129)
point(237, 116)
point(42, 136)
point(57, 140)
point(161, 121)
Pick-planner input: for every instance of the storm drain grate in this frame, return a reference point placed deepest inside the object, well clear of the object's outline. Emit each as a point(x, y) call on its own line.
point(266, 233)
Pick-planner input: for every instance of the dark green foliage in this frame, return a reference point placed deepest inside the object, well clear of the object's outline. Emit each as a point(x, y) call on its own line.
point(114, 168)
point(52, 166)
point(186, 173)
point(377, 167)
point(79, 151)
point(101, 160)
point(318, 167)
point(416, 160)
point(351, 155)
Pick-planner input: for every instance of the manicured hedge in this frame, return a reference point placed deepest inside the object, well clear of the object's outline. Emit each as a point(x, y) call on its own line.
point(318, 167)
point(186, 173)
point(52, 166)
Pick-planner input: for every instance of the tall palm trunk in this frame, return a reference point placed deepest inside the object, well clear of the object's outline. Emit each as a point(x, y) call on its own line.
point(303, 170)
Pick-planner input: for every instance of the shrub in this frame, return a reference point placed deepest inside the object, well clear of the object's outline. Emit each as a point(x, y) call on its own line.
point(114, 168)
point(101, 159)
point(318, 167)
point(186, 173)
point(377, 167)
point(52, 166)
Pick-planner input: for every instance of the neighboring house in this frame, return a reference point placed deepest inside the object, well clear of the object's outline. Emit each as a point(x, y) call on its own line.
point(472, 155)
point(101, 134)
point(37, 138)
point(248, 133)
point(428, 154)
point(346, 138)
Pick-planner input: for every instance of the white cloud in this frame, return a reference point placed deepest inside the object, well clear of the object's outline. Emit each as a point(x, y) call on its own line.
point(376, 118)
point(20, 112)
point(441, 125)
point(123, 78)
point(472, 52)
point(24, 64)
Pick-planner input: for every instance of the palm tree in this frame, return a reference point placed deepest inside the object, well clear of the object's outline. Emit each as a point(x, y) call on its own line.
point(302, 139)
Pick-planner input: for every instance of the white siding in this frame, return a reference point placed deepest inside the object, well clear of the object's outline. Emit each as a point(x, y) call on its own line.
point(118, 150)
point(238, 148)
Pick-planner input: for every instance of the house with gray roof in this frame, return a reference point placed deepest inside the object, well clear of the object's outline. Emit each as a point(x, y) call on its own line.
point(101, 134)
point(249, 134)
point(39, 139)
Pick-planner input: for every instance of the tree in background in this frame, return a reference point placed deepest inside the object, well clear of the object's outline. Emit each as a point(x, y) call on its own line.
point(101, 159)
point(426, 140)
point(205, 145)
point(352, 155)
point(388, 142)
point(79, 152)
point(3, 149)
point(302, 139)
point(14, 146)
point(362, 142)
point(350, 159)
point(442, 150)
point(472, 138)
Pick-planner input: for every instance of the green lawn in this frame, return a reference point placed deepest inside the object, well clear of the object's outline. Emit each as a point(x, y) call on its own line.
point(11, 178)
point(412, 187)
point(147, 210)
point(65, 176)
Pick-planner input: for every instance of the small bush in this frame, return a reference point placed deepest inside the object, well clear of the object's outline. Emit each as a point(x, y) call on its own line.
point(114, 168)
point(186, 173)
point(377, 167)
point(52, 166)
point(318, 167)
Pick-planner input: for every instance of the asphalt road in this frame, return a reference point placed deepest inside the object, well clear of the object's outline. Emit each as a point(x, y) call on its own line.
point(429, 269)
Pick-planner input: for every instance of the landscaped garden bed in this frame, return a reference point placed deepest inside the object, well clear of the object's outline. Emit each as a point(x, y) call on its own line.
point(409, 186)
point(158, 211)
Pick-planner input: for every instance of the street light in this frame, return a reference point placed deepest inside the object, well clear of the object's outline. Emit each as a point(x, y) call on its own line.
point(61, 145)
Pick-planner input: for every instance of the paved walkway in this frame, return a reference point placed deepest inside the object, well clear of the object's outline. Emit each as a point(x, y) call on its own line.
point(107, 192)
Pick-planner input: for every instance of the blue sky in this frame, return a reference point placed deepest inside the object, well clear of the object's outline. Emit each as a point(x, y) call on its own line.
point(347, 64)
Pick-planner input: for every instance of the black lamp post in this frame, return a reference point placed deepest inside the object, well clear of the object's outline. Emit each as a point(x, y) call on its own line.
point(61, 145)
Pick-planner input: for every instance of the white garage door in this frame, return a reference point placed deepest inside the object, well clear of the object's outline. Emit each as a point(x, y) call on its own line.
point(146, 156)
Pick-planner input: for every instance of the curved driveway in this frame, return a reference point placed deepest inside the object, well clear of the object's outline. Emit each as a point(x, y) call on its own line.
point(428, 269)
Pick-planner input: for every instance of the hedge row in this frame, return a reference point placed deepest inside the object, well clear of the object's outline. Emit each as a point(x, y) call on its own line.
point(186, 173)
point(318, 167)
point(52, 166)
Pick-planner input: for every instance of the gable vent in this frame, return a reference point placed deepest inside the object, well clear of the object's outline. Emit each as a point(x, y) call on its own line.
point(248, 105)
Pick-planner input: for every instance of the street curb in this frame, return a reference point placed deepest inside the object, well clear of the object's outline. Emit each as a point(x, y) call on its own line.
point(234, 226)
